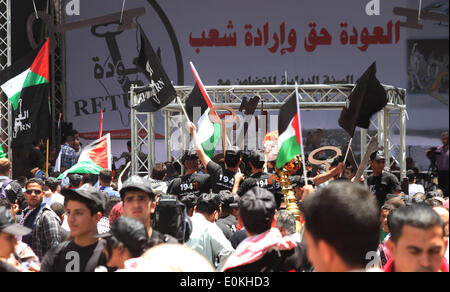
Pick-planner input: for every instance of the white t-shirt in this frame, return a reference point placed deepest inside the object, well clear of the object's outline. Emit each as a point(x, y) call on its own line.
point(415, 188)
point(55, 198)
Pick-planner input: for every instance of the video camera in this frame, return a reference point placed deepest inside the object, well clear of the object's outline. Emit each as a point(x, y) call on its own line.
point(432, 155)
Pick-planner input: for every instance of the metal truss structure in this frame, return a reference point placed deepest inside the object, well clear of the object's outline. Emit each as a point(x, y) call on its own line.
point(314, 97)
point(58, 63)
point(142, 138)
point(5, 61)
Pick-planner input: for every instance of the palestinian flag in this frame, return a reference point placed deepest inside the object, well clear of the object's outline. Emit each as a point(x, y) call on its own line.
point(26, 84)
point(290, 139)
point(198, 104)
point(94, 158)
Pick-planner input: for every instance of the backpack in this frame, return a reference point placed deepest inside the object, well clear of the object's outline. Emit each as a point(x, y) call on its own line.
point(171, 218)
point(3, 188)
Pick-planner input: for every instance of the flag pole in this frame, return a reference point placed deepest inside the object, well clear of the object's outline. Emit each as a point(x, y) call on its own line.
point(46, 163)
point(301, 134)
point(182, 107)
point(100, 130)
point(205, 93)
point(348, 150)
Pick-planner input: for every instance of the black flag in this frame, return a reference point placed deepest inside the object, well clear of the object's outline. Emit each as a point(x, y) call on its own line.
point(367, 98)
point(195, 99)
point(26, 84)
point(249, 106)
point(160, 92)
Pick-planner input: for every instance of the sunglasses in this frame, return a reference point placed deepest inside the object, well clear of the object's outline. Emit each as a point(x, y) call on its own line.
point(37, 192)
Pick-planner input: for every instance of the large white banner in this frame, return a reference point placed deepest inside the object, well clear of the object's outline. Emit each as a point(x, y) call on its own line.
point(257, 42)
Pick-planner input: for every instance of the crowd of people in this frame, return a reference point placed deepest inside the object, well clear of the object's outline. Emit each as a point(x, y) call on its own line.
point(224, 214)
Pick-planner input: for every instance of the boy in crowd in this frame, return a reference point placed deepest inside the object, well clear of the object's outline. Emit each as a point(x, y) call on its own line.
point(85, 207)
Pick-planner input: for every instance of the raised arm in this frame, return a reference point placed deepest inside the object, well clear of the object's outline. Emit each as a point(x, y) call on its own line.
point(198, 148)
point(238, 178)
point(322, 178)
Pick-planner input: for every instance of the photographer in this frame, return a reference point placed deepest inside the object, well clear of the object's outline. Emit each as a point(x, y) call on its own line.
point(440, 156)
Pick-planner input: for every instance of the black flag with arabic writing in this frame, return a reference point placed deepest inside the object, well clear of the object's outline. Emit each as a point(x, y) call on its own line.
point(367, 98)
point(160, 92)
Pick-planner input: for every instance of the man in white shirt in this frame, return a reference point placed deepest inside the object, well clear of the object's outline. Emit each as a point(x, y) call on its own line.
point(52, 194)
point(413, 188)
point(206, 237)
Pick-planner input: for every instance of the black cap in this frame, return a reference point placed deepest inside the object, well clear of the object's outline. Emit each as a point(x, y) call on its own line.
point(208, 203)
point(227, 199)
point(257, 156)
point(137, 182)
point(258, 206)
point(7, 224)
point(377, 155)
point(74, 177)
point(189, 200)
point(131, 232)
point(189, 155)
point(410, 174)
point(335, 162)
point(235, 203)
point(233, 151)
point(88, 192)
point(299, 180)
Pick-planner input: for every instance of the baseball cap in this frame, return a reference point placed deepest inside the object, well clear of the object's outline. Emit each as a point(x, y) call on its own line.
point(257, 206)
point(189, 200)
point(189, 155)
point(208, 202)
point(235, 203)
point(378, 155)
point(7, 224)
point(257, 156)
point(137, 182)
point(335, 162)
point(299, 180)
point(233, 151)
point(90, 193)
point(131, 232)
point(410, 174)
point(227, 199)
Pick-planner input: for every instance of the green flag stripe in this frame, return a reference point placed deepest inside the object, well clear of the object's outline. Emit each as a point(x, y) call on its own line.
point(34, 79)
point(209, 146)
point(2, 154)
point(87, 167)
point(289, 149)
point(15, 100)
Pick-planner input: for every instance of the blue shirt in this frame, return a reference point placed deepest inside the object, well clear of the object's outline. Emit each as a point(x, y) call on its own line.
point(40, 174)
point(68, 156)
point(110, 192)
